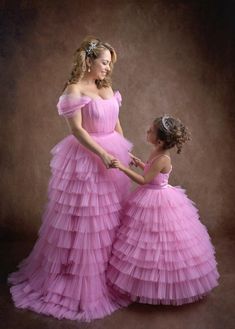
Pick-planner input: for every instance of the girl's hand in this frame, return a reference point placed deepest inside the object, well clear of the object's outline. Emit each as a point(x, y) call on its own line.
point(107, 160)
point(134, 160)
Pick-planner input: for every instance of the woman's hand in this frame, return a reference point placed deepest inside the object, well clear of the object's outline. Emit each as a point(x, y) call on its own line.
point(117, 164)
point(107, 160)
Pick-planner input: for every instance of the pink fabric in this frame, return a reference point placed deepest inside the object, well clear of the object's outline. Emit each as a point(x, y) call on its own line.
point(163, 253)
point(65, 274)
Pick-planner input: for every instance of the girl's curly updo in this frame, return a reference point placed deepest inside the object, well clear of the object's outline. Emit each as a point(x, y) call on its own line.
point(171, 131)
point(90, 47)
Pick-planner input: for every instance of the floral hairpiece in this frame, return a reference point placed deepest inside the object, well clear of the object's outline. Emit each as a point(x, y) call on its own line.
point(165, 123)
point(91, 47)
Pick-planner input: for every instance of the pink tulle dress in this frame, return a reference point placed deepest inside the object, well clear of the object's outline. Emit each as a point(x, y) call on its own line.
point(65, 274)
point(163, 253)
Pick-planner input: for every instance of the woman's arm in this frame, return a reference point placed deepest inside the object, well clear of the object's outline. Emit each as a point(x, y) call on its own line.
point(155, 169)
point(75, 124)
point(118, 128)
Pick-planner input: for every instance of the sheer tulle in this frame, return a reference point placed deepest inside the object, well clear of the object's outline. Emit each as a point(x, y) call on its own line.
point(163, 253)
point(65, 274)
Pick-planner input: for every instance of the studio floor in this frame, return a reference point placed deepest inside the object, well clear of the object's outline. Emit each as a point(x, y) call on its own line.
point(216, 311)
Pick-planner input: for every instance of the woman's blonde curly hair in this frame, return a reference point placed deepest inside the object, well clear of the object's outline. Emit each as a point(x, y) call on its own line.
point(90, 47)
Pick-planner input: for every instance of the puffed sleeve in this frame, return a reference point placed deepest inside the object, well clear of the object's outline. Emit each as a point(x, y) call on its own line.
point(68, 105)
point(118, 97)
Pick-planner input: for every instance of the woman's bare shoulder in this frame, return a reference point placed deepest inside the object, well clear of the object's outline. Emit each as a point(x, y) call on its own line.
point(73, 89)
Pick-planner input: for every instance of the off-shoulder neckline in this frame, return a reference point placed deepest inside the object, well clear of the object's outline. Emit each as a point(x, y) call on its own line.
point(92, 99)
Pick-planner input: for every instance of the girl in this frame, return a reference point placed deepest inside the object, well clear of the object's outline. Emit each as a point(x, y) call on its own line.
point(162, 254)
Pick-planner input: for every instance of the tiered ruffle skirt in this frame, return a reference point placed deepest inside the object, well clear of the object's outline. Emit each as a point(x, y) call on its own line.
point(163, 253)
point(65, 274)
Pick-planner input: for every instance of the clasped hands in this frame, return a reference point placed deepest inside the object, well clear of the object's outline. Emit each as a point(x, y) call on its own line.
point(112, 162)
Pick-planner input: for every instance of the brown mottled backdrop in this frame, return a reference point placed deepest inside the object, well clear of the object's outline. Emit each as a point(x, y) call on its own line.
point(174, 57)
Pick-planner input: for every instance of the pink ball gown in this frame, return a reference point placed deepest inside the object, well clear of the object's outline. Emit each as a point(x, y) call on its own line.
point(163, 253)
point(65, 274)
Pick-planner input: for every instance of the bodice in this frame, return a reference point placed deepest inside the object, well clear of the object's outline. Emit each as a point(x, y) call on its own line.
point(160, 180)
point(99, 116)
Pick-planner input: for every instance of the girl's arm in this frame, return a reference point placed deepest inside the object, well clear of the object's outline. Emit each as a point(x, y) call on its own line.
point(137, 162)
point(155, 169)
point(75, 124)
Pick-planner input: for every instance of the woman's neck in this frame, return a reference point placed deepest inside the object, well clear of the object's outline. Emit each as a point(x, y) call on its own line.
point(88, 80)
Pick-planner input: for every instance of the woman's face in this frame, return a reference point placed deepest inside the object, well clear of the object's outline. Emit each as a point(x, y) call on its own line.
point(101, 65)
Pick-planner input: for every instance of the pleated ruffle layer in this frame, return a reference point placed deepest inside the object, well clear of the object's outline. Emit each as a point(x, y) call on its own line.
point(65, 274)
point(163, 253)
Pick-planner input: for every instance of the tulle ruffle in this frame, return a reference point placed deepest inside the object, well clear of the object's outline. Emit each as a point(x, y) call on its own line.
point(65, 274)
point(65, 304)
point(163, 253)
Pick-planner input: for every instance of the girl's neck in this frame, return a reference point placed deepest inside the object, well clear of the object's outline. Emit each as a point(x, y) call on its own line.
point(158, 151)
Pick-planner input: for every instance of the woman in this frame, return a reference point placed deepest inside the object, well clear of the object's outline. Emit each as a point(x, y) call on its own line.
point(64, 275)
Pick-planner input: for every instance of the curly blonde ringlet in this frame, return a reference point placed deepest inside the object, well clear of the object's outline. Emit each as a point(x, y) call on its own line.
point(175, 134)
point(79, 61)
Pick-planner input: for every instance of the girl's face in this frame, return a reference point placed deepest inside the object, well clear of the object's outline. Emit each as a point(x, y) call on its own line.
point(101, 65)
point(151, 135)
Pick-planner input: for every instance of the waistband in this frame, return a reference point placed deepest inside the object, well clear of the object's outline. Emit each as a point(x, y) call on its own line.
point(101, 133)
point(157, 187)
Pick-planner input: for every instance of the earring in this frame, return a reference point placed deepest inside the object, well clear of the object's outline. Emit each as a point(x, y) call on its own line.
point(89, 70)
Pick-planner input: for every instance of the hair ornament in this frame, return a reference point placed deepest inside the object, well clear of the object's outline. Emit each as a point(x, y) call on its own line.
point(90, 49)
point(165, 123)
